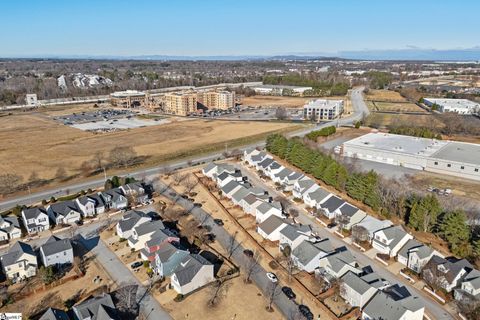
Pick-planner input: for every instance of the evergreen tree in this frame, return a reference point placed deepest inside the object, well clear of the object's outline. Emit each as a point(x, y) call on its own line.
point(330, 174)
point(455, 230)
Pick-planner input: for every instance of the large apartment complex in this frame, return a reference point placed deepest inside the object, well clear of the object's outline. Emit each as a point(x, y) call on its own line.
point(180, 104)
point(321, 109)
point(216, 99)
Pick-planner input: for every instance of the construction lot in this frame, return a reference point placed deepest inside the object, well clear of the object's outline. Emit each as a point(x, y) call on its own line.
point(42, 145)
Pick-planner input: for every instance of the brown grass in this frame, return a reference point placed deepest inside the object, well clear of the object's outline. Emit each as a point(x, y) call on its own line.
point(279, 101)
point(383, 119)
point(397, 107)
point(384, 95)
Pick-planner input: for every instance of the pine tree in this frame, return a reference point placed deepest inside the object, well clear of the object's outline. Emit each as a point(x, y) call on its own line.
point(455, 230)
point(330, 174)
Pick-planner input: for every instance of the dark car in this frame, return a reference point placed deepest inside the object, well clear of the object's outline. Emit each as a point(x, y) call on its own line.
point(331, 225)
point(136, 265)
point(305, 311)
point(248, 253)
point(79, 222)
point(218, 222)
point(289, 293)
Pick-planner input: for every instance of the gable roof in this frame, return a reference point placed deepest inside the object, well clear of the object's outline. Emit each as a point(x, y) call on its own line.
point(168, 250)
point(332, 203)
point(99, 202)
point(265, 207)
point(229, 187)
point(319, 195)
point(339, 259)
point(15, 252)
point(150, 227)
point(305, 184)
point(56, 245)
point(259, 157)
point(34, 212)
point(63, 208)
point(83, 200)
point(130, 219)
point(396, 233)
point(266, 162)
point(189, 267)
point(275, 165)
point(283, 173)
point(413, 245)
point(348, 210)
point(387, 305)
point(372, 224)
point(450, 268)
point(114, 193)
point(240, 194)
point(294, 175)
point(306, 251)
point(271, 224)
point(356, 283)
point(209, 167)
point(54, 314)
point(90, 308)
point(293, 231)
point(473, 277)
point(222, 176)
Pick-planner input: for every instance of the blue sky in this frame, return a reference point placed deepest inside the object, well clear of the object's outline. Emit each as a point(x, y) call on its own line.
point(229, 27)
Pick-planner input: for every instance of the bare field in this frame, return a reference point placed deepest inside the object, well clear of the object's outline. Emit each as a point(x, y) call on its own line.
point(396, 107)
point(32, 142)
point(384, 119)
point(279, 101)
point(384, 95)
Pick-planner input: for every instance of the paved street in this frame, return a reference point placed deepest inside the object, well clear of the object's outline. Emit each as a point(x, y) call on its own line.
point(432, 307)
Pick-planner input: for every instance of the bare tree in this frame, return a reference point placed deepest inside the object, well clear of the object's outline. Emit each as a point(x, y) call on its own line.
point(252, 265)
point(232, 244)
point(122, 156)
point(98, 158)
point(284, 203)
point(172, 214)
point(189, 183)
point(237, 154)
point(61, 174)
point(272, 292)
point(166, 170)
point(127, 297)
point(342, 221)
point(293, 213)
point(178, 177)
point(33, 177)
point(289, 263)
point(218, 290)
point(281, 113)
point(9, 182)
point(359, 234)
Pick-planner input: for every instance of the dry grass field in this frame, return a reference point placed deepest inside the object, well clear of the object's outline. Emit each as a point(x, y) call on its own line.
point(385, 119)
point(33, 142)
point(384, 95)
point(396, 106)
point(279, 101)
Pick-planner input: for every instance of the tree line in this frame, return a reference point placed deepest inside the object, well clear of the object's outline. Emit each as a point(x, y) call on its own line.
point(415, 132)
point(320, 87)
point(387, 197)
point(324, 132)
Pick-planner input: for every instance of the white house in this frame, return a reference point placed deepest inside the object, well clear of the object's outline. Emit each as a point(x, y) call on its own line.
point(293, 234)
point(415, 255)
point(350, 216)
point(9, 228)
point(330, 206)
point(65, 212)
point(273, 169)
point(314, 198)
point(303, 186)
point(470, 286)
point(115, 199)
point(335, 265)
point(20, 262)
point(193, 272)
point(396, 302)
point(270, 228)
point(230, 188)
point(238, 196)
point(390, 240)
point(224, 178)
point(99, 202)
point(56, 251)
point(129, 221)
point(250, 203)
point(372, 225)
point(289, 181)
point(278, 177)
point(267, 209)
point(143, 232)
point(35, 219)
point(263, 165)
point(358, 290)
point(86, 205)
point(306, 256)
point(249, 153)
point(136, 191)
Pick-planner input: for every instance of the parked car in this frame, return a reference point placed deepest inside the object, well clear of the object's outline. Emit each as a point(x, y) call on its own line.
point(305, 311)
point(79, 222)
point(289, 293)
point(248, 253)
point(136, 264)
point(218, 222)
point(272, 277)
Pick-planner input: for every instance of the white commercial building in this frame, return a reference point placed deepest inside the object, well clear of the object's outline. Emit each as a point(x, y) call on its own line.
point(279, 90)
point(460, 106)
point(321, 109)
point(454, 158)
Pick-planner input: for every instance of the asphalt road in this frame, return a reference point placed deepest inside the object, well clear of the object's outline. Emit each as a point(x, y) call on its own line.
point(432, 307)
point(359, 106)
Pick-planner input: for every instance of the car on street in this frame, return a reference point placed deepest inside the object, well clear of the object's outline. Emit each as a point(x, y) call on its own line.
point(305, 311)
point(136, 264)
point(218, 222)
point(248, 253)
point(272, 277)
point(289, 293)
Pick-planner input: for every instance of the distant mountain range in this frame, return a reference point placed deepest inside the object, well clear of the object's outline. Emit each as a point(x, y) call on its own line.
point(469, 54)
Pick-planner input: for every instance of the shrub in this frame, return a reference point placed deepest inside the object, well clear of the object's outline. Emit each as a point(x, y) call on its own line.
point(178, 298)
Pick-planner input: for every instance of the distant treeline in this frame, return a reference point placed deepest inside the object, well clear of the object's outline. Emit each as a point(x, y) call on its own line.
point(421, 132)
point(330, 87)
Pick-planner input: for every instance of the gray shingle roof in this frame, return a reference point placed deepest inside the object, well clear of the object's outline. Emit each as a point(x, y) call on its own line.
point(356, 283)
point(396, 233)
point(339, 259)
point(63, 208)
point(421, 250)
point(292, 231)
point(222, 176)
point(32, 213)
point(209, 167)
point(240, 194)
point(348, 210)
point(114, 193)
point(189, 267)
point(332, 203)
point(307, 250)
point(166, 251)
point(15, 252)
point(258, 157)
point(130, 219)
point(275, 165)
point(90, 308)
point(84, 200)
point(150, 227)
point(226, 189)
point(266, 162)
point(99, 202)
point(54, 314)
point(318, 195)
point(56, 245)
point(283, 173)
point(387, 306)
point(305, 184)
point(271, 224)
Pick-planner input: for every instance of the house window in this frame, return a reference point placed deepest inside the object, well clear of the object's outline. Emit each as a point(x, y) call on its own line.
point(64, 253)
point(462, 167)
point(476, 169)
point(449, 165)
point(436, 163)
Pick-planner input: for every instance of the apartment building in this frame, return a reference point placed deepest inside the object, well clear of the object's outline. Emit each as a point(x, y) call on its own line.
point(180, 103)
point(321, 109)
point(216, 99)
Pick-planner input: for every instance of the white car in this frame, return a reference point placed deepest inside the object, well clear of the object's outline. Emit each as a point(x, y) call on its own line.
point(272, 277)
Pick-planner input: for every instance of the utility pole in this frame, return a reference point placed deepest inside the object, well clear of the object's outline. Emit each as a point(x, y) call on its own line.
point(105, 174)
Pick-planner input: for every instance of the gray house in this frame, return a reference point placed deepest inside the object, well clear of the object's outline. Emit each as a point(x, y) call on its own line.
point(96, 308)
point(65, 212)
point(167, 258)
point(54, 314)
point(56, 251)
point(114, 199)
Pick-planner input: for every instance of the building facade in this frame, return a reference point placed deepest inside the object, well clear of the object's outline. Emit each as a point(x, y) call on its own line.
point(180, 104)
point(216, 99)
point(321, 109)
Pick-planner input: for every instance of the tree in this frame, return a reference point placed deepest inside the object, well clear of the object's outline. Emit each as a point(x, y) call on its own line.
point(455, 230)
point(9, 182)
point(127, 297)
point(281, 113)
point(98, 158)
point(178, 177)
point(359, 234)
point(47, 274)
point(189, 183)
point(293, 213)
point(272, 292)
point(122, 156)
point(289, 263)
point(252, 265)
point(218, 290)
point(33, 177)
point(424, 212)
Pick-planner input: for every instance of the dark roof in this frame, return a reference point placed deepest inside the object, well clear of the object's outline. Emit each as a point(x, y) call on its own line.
point(32, 213)
point(292, 231)
point(84, 200)
point(54, 314)
point(266, 162)
point(90, 308)
point(115, 193)
point(348, 210)
point(99, 202)
point(64, 207)
point(55, 245)
point(189, 267)
point(222, 176)
point(332, 203)
point(168, 250)
point(229, 187)
point(12, 220)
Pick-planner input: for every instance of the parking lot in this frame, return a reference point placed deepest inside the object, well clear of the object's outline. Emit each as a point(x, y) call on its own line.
point(100, 115)
point(251, 113)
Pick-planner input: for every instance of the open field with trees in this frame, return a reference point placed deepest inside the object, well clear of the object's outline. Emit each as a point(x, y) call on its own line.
point(37, 150)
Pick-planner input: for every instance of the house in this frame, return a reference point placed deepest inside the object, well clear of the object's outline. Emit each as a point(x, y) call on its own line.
point(279, 176)
point(54, 314)
point(445, 273)
point(415, 255)
point(273, 169)
point(394, 303)
point(293, 234)
point(303, 186)
point(470, 286)
point(159, 239)
point(212, 170)
point(370, 225)
point(390, 240)
point(238, 196)
point(329, 207)
point(167, 258)
point(224, 178)
point(230, 188)
point(335, 265)
point(65, 212)
point(114, 199)
point(86, 205)
point(9, 228)
point(263, 165)
point(249, 153)
point(357, 289)
point(130, 220)
point(270, 228)
point(143, 232)
point(348, 216)
point(193, 272)
point(35, 219)
point(96, 308)
point(256, 159)
point(306, 256)
point(250, 203)
point(56, 251)
point(20, 262)
point(136, 191)
point(289, 181)
point(314, 198)
point(267, 209)
point(99, 202)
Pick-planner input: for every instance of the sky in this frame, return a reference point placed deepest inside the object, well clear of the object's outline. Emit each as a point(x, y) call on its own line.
point(233, 27)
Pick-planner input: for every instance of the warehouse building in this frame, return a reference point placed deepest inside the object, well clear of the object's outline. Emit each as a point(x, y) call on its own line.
point(280, 90)
point(321, 109)
point(460, 106)
point(454, 158)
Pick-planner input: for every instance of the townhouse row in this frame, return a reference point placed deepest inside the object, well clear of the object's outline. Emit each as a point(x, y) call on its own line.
point(161, 247)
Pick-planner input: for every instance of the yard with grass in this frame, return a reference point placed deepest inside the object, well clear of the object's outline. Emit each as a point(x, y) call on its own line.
point(384, 95)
